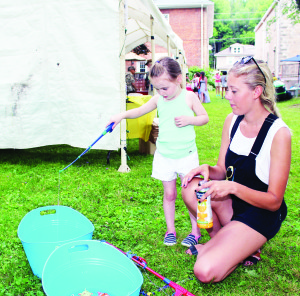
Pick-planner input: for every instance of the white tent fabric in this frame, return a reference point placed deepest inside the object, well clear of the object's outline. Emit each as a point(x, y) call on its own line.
point(60, 68)
point(139, 27)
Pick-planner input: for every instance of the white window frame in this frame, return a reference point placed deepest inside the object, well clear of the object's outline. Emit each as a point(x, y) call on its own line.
point(167, 17)
point(142, 66)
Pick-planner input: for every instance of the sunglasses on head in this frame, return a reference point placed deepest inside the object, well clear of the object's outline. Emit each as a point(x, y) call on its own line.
point(230, 173)
point(246, 60)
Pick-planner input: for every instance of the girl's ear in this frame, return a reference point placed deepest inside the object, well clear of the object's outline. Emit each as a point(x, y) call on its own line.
point(179, 78)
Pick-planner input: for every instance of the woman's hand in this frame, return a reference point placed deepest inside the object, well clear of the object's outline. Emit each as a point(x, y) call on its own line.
point(218, 189)
point(201, 170)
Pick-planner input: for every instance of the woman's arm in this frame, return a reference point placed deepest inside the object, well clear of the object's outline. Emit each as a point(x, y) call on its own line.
point(278, 177)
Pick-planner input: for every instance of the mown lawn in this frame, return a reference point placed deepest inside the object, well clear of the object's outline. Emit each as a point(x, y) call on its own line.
point(126, 210)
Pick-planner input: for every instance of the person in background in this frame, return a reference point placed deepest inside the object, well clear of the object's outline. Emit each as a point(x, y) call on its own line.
point(248, 183)
point(187, 77)
point(224, 83)
point(148, 85)
point(195, 84)
point(218, 83)
point(176, 151)
point(203, 87)
point(130, 80)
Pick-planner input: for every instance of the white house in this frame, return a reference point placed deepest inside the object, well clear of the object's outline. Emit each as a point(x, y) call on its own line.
point(227, 57)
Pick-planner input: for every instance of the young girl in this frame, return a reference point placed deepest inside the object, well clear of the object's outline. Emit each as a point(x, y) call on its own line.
point(224, 83)
point(176, 152)
point(203, 87)
point(218, 84)
point(195, 84)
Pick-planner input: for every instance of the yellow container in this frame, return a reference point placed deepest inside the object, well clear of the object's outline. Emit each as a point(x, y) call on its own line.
point(204, 212)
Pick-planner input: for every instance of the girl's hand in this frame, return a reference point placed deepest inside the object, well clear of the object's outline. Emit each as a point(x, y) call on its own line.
point(181, 121)
point(116, 119)
point(201, 170)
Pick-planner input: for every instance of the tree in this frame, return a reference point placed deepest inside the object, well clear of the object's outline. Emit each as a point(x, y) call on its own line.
point(235, 21)
point(291, 10)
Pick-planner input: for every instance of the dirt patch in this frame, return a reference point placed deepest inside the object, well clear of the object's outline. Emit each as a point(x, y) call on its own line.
point(294, 106)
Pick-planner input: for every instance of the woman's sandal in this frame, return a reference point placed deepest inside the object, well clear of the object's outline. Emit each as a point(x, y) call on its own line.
point(252, 259)
point(193, 250)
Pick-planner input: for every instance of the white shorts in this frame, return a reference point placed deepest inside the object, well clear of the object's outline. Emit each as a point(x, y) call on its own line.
point(167, 169)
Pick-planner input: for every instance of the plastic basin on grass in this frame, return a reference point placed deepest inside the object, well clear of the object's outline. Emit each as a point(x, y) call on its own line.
point(91, 265)
point(44, 229)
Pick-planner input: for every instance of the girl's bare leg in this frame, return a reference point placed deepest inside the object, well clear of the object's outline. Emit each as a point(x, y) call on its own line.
point(170, 195)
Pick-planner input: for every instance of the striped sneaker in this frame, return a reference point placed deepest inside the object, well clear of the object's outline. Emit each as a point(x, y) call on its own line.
point(191, 240)
point(170, 238)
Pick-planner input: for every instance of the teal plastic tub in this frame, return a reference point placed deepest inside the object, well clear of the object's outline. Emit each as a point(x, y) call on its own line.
point(44, 229)
point(90, 265)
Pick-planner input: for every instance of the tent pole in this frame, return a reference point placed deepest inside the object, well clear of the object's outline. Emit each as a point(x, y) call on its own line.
point(152, 46)
point(124, 167)
point(183, 67)
point(168, 46)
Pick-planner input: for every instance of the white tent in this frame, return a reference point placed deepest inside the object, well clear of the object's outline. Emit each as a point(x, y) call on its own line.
point(63, 66)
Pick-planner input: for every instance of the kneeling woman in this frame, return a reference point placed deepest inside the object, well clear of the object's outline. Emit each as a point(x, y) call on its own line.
point(248, 182)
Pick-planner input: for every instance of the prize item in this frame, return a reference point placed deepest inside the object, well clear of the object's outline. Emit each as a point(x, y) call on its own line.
point(204, 212)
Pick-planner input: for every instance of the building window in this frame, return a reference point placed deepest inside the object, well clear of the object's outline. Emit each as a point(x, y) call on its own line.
point(166, 15)
point(234, 50)
point(239, 50)
point(142, 67)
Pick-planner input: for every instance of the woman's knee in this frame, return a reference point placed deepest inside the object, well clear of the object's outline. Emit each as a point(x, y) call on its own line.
point(205, 272)
point(189, 191)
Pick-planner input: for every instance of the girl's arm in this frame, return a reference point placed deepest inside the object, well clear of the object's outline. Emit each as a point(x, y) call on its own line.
point(194, 103)
point(134, 113)
point(217, 172)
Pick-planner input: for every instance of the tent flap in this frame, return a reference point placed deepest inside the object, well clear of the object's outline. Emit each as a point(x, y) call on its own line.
point(60, 68)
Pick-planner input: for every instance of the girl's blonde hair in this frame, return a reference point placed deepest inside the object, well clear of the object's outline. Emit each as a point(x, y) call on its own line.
point(166, 65)
point(253, 77)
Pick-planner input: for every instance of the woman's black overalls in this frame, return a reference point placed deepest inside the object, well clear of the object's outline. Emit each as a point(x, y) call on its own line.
point(264, 221)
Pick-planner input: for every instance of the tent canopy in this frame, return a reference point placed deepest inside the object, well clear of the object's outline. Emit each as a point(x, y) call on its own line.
point(138, 25)
point(60, 74)
point(292, 59)
point(296, 59)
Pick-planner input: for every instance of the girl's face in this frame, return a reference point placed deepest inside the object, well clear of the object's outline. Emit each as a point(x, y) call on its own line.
point(239, 95)
point(168, 89)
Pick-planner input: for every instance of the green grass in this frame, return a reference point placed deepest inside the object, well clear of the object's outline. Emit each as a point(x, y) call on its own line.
point(126, 210)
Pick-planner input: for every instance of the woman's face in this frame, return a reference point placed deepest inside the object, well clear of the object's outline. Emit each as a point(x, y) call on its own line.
point(168, 89)
point(239, 95)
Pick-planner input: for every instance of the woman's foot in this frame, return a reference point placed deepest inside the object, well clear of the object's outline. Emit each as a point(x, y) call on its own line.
point(193, 250)
point(252, 259)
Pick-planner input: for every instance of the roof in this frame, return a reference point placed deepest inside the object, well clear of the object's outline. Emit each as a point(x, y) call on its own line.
point(131, 56)
point(248, 50)
point(138, 26)
point(165, 4)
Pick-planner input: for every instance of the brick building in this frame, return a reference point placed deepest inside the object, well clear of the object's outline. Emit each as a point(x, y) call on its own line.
point(192, 21)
